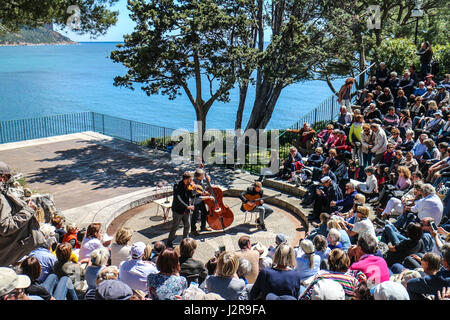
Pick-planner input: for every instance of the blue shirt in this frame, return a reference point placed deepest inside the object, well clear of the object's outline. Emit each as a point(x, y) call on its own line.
point(345, 240)
point(419, 92)
point(419, 149)
point(46, 260)
point(304, 269)
point(91, 276)
point(347, 202)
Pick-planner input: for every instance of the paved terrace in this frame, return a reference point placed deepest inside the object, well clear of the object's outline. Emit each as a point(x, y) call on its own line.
point(94, 177)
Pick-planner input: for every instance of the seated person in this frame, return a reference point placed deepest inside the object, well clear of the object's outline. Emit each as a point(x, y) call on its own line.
point(333, 239)
point(370, 186)
point(293, 163)
point(316, 159)
point(328, 192)
point(431, 284)
point(401, 246)
point(359, 227)
point(325, 134)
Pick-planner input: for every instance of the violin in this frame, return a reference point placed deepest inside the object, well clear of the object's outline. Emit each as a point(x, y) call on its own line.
point(196, 188)
point(220, 215)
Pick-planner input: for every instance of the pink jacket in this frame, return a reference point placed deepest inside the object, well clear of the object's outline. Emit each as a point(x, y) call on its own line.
point(374, 267)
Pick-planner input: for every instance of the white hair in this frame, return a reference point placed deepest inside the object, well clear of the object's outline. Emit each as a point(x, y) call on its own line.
point(99, 257)
point(49, 234)
point(393, 73)
point(334, 234)
point(428, 189)
point(245, 267)
point(411, 132)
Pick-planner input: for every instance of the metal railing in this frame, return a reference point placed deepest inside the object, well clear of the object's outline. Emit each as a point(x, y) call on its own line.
point(49, 126)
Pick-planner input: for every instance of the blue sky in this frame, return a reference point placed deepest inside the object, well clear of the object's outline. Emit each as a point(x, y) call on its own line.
point(123, 26)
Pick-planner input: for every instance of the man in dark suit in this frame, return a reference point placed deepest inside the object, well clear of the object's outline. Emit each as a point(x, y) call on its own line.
point(181, 207)
point(328, 192)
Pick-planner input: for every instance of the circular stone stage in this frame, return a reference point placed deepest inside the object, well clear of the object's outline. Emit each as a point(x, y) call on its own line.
point(149, 227)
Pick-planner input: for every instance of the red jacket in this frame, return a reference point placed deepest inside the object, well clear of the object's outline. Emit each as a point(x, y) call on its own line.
point(69, 237)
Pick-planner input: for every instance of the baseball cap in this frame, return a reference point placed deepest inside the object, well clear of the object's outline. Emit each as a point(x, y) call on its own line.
point(327, 289)
point(137, 250)
point(4, 168)
point(389, 290)
point(10, 280)
point(280, 238)
point(113, 290)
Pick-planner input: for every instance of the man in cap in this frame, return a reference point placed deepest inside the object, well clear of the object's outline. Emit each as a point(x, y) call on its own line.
point(19, 229)
point(134, 272)
point(12, 284)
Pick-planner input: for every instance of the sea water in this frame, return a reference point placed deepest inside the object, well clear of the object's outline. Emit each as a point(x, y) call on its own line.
point(57, 79)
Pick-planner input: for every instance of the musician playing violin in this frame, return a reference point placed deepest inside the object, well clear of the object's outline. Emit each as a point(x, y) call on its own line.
point(183, 196)
point(264, 211)
point(199, 204)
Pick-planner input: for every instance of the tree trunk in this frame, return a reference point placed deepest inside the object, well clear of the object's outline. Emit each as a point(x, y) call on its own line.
point(240, 112)
point(264, 105)
point(201, 127)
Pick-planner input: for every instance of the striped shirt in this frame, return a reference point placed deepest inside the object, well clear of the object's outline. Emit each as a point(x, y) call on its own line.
point(348, 281)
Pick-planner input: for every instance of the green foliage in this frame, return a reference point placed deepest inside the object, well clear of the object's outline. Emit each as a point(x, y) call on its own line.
point(95, 16)
point(441, 53)
point(398, 54)
point(33, 35)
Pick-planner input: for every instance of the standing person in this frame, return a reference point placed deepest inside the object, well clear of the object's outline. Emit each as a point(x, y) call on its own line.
point(380, 143)
point(199, 204)
point(17, 222)
point(426, 54)
point(355, 138)
point(367, 140)
point(263, 210)
point(181, 207)
point(344, 94)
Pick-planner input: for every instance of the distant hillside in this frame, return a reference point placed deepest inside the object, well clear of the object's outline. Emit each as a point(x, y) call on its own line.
point(29, 36)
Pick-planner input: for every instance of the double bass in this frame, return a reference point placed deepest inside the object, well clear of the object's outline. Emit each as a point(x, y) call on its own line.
point(220, 215)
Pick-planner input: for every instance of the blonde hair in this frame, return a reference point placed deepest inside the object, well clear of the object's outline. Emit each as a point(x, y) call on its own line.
point(333, 224)
point(333, 151)
point(432, 105)
point(319, 149)
point(285, 256)
point(107, 273)
point(227, 264)
point(308, 248)
point(363, 210)
point(99, 257)
point(71, 226)
point(360, 198)
point(405, 170)
point(123, 235)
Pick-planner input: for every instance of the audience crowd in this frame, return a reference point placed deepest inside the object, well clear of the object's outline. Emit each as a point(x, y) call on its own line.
point(377, 182)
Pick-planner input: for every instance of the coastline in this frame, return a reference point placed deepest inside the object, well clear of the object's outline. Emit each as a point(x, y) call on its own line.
point(37, 44)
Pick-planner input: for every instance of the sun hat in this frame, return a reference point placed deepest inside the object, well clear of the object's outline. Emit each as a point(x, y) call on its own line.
point(263, 251)
point(106, 237)
point(10, 280)
point(113, 290)
point(137, 250)
point(327, 289)
point(390, 290)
